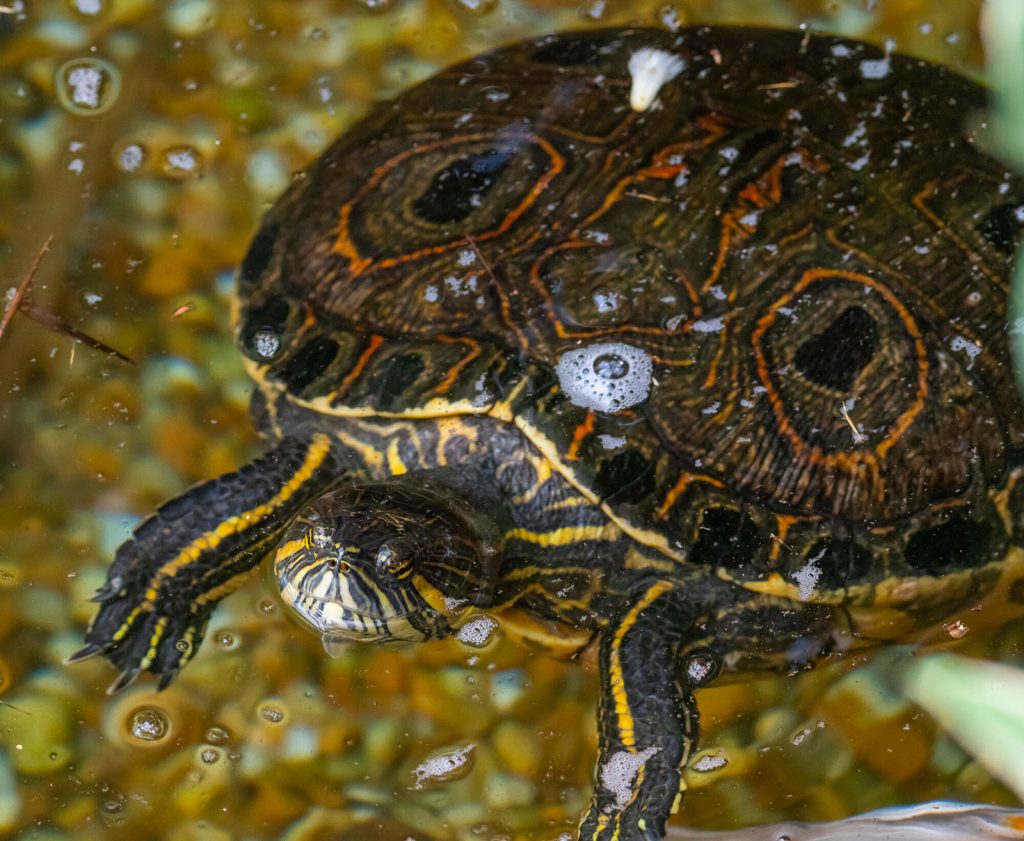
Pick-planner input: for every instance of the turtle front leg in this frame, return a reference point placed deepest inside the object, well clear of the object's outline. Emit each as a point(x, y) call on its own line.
point(166, 579)
point(647, 717)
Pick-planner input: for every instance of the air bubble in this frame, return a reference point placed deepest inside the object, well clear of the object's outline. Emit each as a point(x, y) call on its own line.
point(226, 639)
point(266, 343)
point(335, 646)
point(272, 713)
point(671, 17)
point(184, 646)
point(607, 377)
point(90, 9)
point(129, 156)
point(479, 8)
point(217, 735)
point(701, 668)
point(609, 366)
point(87, 86)
point(379, 6)
point(605, 300)
point(182, 161)
point(148, 724)
point(592, 9)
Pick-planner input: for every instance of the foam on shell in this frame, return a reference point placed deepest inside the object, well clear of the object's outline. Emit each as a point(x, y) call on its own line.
point(606, 377)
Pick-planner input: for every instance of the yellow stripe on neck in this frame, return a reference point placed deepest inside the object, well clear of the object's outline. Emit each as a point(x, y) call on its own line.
point(567, 535)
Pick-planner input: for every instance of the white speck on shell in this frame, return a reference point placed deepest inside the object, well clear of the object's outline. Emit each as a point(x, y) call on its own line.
point(875, 68)
point(651, 68)
point(807, 576)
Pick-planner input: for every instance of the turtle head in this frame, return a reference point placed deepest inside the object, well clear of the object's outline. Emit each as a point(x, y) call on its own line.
point(385, 561)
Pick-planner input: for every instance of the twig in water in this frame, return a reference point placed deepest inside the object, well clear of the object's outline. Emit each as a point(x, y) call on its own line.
point(15, 300)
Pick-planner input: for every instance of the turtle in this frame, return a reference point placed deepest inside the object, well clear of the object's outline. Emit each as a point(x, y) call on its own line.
point(691, 344)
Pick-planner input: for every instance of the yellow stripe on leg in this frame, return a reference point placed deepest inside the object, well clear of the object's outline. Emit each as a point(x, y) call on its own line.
point(627, 736)
point(317, 453)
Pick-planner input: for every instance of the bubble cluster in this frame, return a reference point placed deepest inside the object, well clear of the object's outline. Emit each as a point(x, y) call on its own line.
point(607, 376)
point(267, 343)
point(618, 773)
point(272, 713)
point(443, 767)
point(478, 632)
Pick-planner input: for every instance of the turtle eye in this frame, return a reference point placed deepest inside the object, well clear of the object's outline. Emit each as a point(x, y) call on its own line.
point(387, 559)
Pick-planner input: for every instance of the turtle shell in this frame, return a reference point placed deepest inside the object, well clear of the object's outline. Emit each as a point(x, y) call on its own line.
point(776, 291)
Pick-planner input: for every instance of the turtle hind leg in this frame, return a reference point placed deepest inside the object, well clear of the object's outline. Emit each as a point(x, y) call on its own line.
point(166, 579)
point(647, 718)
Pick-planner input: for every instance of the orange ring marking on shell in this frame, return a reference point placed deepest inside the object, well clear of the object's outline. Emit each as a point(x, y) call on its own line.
point(682, 483)
point(456, 369)
point(763, 193)
point(845, 461)
point(660, 167)
point(549, 303)
point(919, 201)
point(579, 434)
point(358, 264)
point(375, 342)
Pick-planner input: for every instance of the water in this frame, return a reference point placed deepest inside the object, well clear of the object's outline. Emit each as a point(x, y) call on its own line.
point(151, 204)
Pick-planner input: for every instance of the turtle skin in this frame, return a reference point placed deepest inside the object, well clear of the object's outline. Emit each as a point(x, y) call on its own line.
point(713, 368)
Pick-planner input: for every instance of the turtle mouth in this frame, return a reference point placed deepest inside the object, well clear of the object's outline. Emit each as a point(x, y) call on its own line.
point(332, 608)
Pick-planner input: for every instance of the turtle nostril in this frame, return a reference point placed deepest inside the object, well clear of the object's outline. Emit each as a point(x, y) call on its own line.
point(344, 566)
point(332, 563)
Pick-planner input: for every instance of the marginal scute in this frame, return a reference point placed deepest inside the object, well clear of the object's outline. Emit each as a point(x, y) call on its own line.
point(957, 541)
point(260, 252)
point(831, 564)
point(729, 538)
point(308, 363)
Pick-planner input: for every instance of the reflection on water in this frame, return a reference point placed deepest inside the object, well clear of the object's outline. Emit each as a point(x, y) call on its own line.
point(151, 192)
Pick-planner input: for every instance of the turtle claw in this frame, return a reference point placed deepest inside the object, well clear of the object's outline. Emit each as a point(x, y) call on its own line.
point(110, 590)
point(165, 680)
point(84, 653)
point(126, 679)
